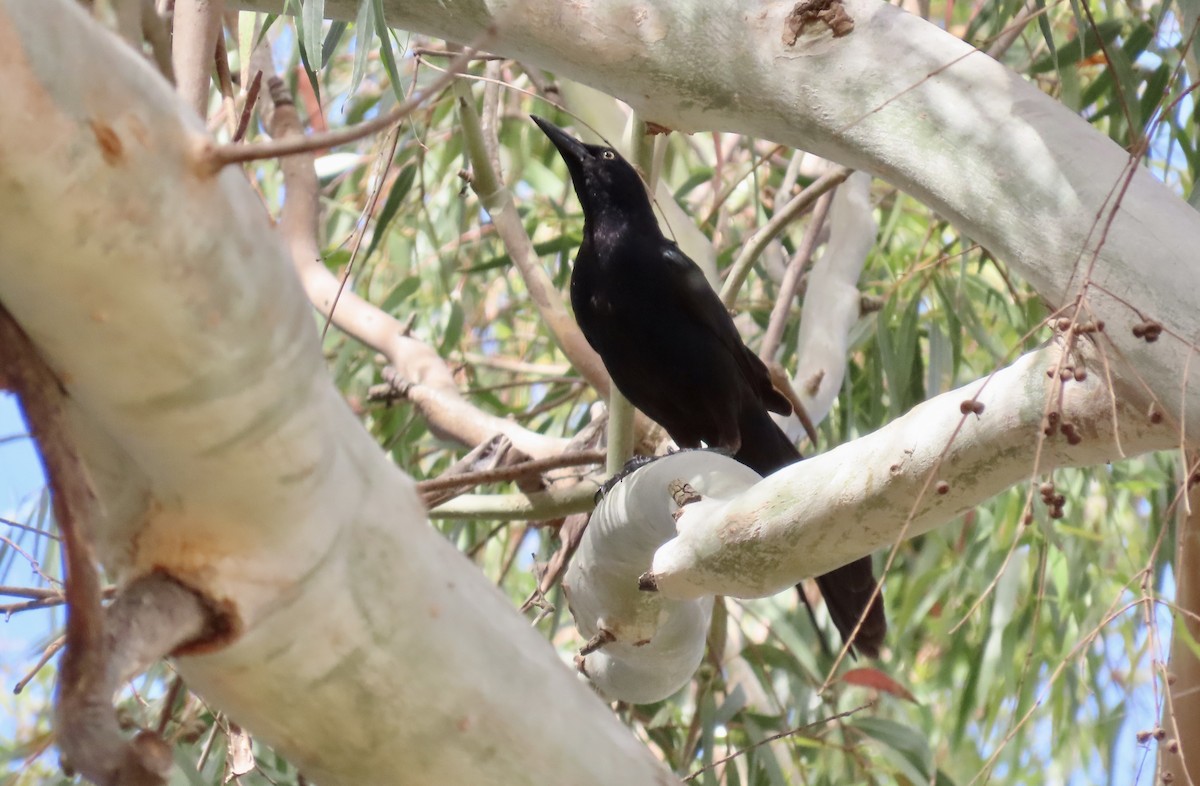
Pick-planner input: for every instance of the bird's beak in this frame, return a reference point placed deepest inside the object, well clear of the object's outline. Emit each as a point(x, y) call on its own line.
point(570, 148)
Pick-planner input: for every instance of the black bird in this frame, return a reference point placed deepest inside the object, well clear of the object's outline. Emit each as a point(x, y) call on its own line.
point(672, 349)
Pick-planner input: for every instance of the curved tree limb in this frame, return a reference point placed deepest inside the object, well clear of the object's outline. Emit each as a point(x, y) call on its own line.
point(170, 309)
point(203, 374)
point(975, 442)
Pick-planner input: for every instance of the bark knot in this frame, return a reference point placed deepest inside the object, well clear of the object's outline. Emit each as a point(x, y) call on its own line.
point(831, 12)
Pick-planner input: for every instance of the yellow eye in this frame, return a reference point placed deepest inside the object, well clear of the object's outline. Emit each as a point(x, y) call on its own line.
point(610, 155)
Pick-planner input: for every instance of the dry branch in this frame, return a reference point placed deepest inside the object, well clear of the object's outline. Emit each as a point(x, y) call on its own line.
point(148, 620)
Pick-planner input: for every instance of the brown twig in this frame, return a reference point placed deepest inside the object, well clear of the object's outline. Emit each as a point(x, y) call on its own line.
point(152, 618)
point(791, 278)
point(36, 593)
point(168, 708)
point(9, 609)
point(511, 472)
point(27, 528)
point(248, 110)
point(51, 650)
point(569, 535)
point(34, 564)
point(778, 736)
point(218, 156)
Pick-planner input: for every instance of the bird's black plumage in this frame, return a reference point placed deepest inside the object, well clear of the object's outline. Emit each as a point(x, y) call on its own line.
point(672, 349)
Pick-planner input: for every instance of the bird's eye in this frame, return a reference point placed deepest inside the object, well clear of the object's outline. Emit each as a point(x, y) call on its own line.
point(610, 155)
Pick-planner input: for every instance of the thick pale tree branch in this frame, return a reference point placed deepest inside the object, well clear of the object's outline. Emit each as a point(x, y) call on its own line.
point(642, 646)
point(176, 323)
point(943, 457)
point(162, 299)
point(736, 535)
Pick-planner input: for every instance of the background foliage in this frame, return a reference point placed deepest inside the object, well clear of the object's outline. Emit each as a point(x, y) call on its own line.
point(1028, 654)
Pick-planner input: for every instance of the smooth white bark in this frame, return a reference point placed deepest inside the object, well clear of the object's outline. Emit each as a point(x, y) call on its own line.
point(752, 539)
point(655, 643)
point(369, 650)
point(812, 517)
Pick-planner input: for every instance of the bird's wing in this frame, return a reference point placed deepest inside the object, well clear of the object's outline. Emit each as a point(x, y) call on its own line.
point(702, 303)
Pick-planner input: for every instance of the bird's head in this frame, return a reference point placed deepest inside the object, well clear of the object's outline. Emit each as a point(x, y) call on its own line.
point(604, 181)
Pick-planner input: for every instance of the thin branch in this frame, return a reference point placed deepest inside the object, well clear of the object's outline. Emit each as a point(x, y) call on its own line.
point(239, 133)
point(9, 609)
point(510, 472)
point(779, 379)
point(781, 735)
point(218, 156)
point(168, 706)
point(1181, 708)
point(34, 564)
point(549, 504)
point(769, 231)
point(51, 650)
point(10, 523)
point(424, 51)
point(791, 279)
point(1012, 31)
point(99, 651)
point(36, 593)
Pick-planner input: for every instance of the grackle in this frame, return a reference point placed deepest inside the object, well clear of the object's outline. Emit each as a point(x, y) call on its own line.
point(672, 349)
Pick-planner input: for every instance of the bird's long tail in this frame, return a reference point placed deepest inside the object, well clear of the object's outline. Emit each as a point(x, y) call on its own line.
point(847, 590)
